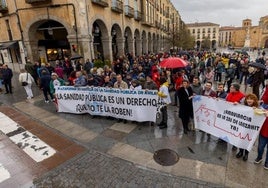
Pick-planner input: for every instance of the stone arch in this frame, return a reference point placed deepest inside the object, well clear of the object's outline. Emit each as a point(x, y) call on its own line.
point(117, 40)
point(31, 37)
point(101, 40)
point(144, 42)
point(264, 42)
point(154, 43)
point(137, 43)
point(150, 49)
point(129, 45)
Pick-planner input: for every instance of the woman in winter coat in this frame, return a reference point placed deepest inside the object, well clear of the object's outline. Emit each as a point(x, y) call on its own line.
point(26, 77)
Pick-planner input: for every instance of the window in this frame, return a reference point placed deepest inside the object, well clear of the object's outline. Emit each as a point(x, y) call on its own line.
point(204, 30)
point(198, 30)
point(193, 31)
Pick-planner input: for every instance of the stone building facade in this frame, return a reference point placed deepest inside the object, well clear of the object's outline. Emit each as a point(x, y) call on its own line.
point(46, 30)
point(204, 30)
point(246, 36)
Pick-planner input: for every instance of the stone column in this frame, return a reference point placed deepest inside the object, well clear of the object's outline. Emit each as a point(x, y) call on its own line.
point(32, 50)
point(139, 47)
point(145, 46)
point(107, 48)
point(131, 48)
point(120, 45)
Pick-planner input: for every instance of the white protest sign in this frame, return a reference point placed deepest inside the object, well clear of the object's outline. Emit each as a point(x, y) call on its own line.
point(236, 124)
point(136, 105)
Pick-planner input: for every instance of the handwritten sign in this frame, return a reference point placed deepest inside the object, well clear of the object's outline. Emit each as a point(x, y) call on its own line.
point(236, 124)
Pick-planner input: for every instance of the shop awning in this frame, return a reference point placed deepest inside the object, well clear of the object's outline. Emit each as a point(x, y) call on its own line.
point(5, 45)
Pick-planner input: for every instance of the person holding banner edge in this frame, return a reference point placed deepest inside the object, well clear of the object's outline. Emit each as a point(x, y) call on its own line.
point(263, 135)
point(252, 101)
point(165, 100)
point(185, 95)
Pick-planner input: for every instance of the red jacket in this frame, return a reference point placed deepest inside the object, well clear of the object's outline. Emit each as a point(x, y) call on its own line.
point(178, 82)
point(235, 96)
point(264, 129)
point(265, 96)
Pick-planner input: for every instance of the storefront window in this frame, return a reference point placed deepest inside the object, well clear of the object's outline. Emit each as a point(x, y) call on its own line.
point(54, 54)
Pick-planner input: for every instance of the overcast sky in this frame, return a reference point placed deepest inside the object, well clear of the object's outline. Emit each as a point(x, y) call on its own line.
point(223, 12)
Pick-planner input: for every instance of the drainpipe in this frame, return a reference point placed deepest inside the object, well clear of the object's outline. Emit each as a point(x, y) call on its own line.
point(88, 29)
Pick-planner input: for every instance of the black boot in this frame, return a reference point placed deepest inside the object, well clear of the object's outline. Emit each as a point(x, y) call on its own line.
point(245, 158)
point(239, 154)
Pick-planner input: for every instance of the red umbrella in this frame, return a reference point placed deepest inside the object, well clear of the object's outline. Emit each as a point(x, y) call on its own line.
point(173, 62)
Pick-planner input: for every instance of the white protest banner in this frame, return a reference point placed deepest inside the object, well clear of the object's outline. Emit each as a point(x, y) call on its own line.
point(135, 105)
point(236, 124)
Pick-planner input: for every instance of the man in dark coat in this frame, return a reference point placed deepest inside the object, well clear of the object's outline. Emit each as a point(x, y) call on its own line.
point(7, 77)
point(185, 94)
point(45, 85)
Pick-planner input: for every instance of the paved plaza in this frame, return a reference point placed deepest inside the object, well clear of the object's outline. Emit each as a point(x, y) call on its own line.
point(99, 152)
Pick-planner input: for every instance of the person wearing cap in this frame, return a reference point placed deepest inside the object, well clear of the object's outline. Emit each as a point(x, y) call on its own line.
point(55, 82)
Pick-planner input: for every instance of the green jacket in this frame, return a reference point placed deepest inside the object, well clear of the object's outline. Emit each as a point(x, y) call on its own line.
point(51, 85)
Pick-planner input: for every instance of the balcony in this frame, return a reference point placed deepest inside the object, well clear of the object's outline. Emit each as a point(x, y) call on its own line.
point(102, 3)
point(3, 8)
point(137, 15)
point(129, 11)
point(117, 6)
point(37, 1)
point(147, 23)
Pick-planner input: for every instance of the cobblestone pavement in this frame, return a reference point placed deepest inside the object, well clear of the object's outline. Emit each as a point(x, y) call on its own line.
point(95, 169)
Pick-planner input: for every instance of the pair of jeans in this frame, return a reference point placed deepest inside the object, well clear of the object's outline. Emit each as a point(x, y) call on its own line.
point(263, 141)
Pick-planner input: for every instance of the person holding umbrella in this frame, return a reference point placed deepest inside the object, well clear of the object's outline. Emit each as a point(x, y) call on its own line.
point(257, 76)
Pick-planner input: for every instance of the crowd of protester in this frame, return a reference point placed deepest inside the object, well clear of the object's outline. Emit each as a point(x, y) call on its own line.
point(209, 74)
